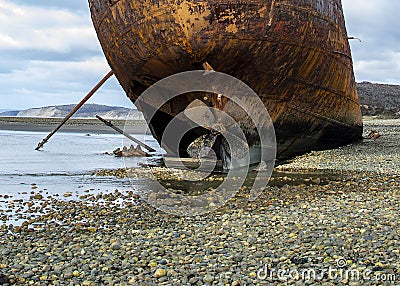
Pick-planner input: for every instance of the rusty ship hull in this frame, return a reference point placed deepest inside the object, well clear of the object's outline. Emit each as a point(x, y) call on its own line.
point(294, 54)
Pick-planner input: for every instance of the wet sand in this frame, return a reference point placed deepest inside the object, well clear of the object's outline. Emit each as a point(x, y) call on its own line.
point(335, 210)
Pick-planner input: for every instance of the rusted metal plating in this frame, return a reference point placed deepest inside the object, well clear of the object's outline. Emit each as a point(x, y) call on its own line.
point(294, 54)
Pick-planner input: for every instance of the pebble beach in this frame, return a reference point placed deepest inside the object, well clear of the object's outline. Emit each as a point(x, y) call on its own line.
point(326, 218)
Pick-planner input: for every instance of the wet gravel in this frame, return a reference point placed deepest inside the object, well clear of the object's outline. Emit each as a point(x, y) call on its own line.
point(380, 155)
point(320, 215)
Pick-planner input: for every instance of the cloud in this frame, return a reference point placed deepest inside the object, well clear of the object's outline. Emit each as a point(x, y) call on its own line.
point(50, 55)
point(376, 58)
point(49, 52)
point(73, 5)
point(45, 29)
point(58, 82)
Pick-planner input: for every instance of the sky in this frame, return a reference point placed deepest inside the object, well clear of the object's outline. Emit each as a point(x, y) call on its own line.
point(50, 55)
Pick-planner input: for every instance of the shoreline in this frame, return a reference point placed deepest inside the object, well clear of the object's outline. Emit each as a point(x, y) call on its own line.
point(302, 221)
point(380, 155)
point(98, 241)
point(75, 125)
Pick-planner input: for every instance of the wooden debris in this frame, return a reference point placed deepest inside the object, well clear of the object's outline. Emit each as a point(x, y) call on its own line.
point(373, 135)
point(108, 123)
point(130, 152)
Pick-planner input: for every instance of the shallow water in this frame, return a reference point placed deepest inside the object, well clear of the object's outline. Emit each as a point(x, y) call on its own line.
point(66, 164)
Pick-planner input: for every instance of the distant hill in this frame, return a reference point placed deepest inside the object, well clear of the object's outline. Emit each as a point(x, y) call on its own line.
point(86, 111)
point(9, 113)
point(379, 99)
point(375, 99)
point(4, 110)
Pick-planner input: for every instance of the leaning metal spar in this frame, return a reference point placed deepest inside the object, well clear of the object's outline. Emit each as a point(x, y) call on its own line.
point(79, 105)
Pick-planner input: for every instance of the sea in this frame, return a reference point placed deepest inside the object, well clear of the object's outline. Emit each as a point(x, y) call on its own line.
point(67, 163)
